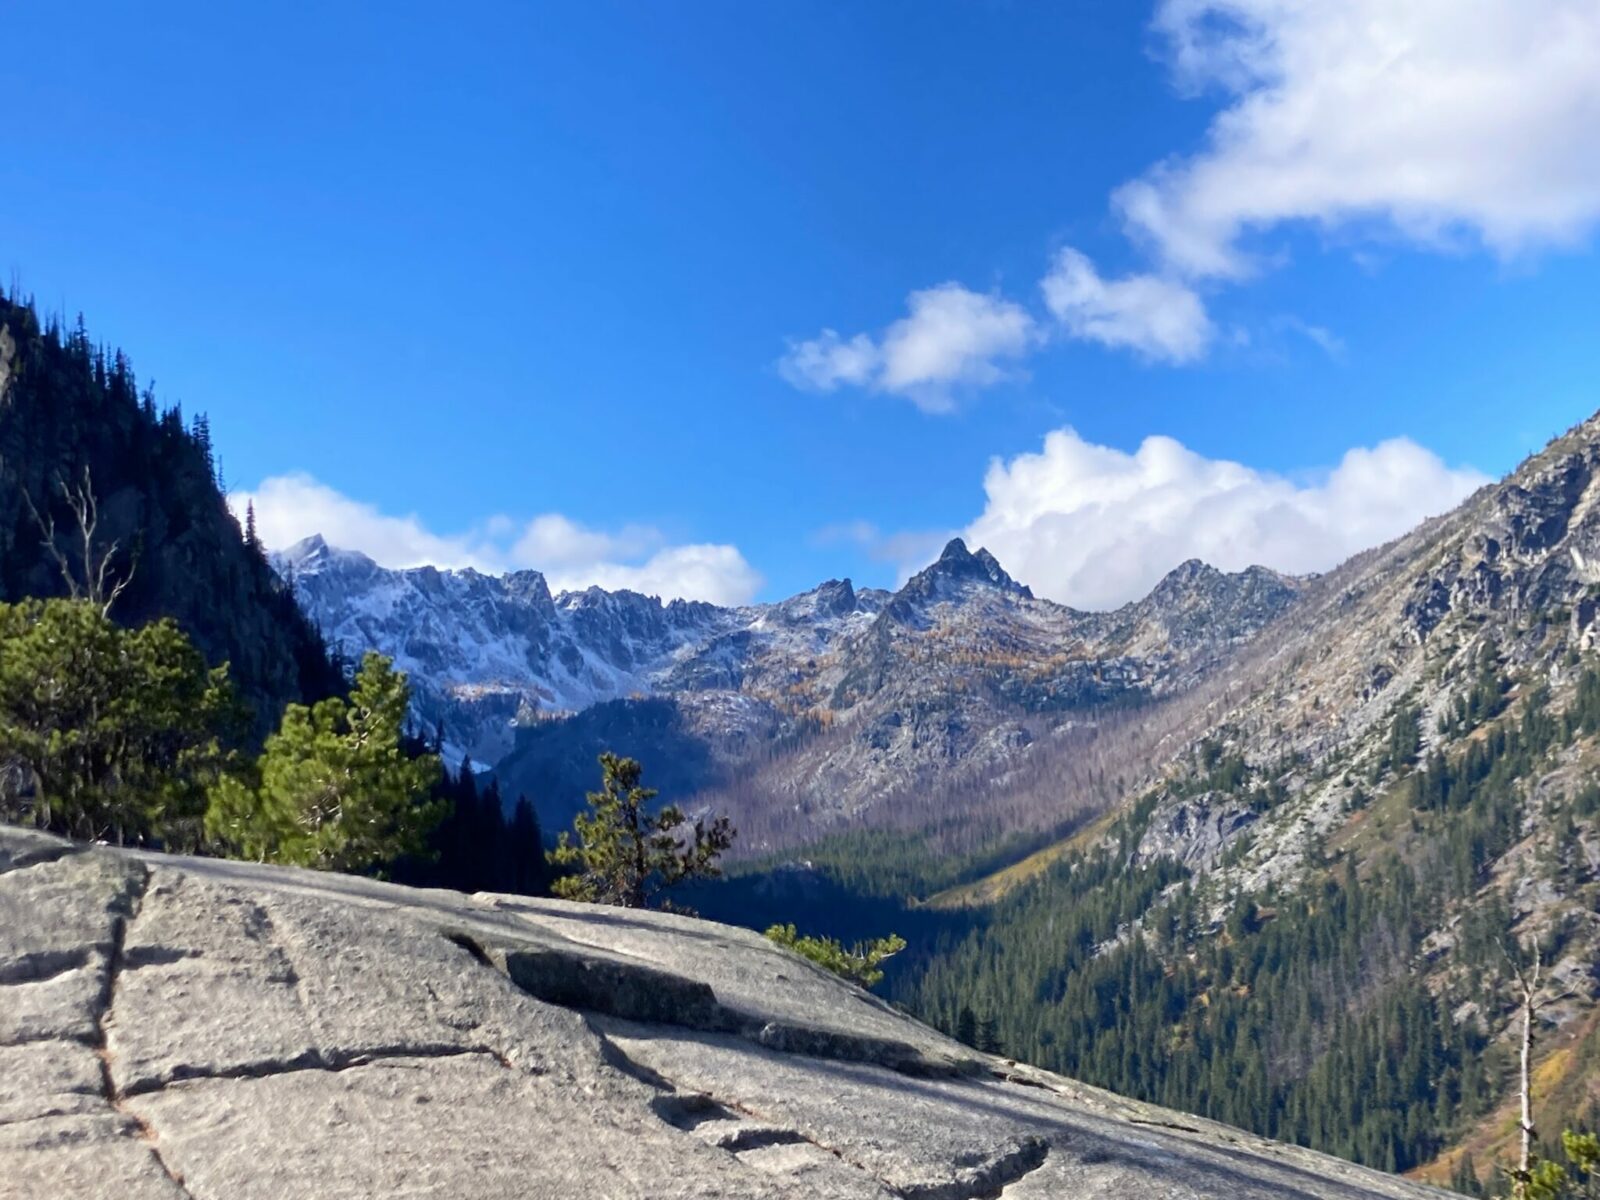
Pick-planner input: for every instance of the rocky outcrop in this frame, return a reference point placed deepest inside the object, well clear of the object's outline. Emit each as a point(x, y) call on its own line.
point(1194, 831)
point(181, 1029)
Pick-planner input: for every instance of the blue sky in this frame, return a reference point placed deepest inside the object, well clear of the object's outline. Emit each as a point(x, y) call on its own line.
point(534, 284)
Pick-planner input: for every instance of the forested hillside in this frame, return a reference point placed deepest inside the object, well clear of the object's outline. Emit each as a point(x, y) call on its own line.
point(1310, 920)
point(1311, 925)
point(74, 423)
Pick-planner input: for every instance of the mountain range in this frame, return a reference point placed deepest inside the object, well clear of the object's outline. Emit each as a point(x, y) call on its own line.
point(1262, 848)
point(813, 713)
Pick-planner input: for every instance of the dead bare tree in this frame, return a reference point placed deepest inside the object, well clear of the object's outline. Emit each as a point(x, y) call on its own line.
point(97, 585)
point(1530, 982)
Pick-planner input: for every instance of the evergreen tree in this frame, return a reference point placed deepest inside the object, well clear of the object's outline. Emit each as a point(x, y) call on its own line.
point(861, 963)
point(626, 856)
point(1405, 739)
point(336, 787)
point(110, 733)
point(529, 876)
point(966, 1031)
point(989, 1035)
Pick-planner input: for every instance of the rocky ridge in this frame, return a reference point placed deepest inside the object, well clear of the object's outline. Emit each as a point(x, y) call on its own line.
point(188, 1028)
point(816, 710)
point(1512, 574)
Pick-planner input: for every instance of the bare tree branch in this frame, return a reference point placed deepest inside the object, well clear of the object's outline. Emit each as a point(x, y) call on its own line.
point(97, 585)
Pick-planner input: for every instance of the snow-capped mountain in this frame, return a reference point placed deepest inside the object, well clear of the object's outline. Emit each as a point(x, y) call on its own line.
point(487, 653)
point(828, 707)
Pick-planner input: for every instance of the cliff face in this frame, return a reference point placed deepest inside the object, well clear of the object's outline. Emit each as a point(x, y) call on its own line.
point(194, 1028)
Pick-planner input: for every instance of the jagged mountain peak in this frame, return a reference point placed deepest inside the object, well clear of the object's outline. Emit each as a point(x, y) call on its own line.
point(959, 565)
point(315, 556)
point(829, 599)
point(311, 552)
point(1188, 573)
point(1196, 582)
point(308, 547)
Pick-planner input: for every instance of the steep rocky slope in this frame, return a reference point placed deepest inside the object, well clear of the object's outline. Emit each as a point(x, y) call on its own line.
point(188, 1029)
point(824, 710)
point(1420, 731)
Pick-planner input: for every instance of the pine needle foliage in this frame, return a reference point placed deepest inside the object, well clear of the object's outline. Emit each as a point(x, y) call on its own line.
point(627, 856)
point(335, 788)
point(860, 963)
point(107, 733)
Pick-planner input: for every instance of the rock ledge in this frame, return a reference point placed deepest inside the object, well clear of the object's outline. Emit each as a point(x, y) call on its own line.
point(189, 1029)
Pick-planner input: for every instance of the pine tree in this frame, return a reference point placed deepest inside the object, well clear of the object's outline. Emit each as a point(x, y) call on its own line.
point(989, 1035)
point(527, 845)
point(967, 1027)
point(337, 788)
point(200, 432)
point(115, 732)
point(1405, 739)
point(626, 856)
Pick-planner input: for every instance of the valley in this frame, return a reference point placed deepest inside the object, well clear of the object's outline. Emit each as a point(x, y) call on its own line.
point(1264, 848)
point(1237, 847)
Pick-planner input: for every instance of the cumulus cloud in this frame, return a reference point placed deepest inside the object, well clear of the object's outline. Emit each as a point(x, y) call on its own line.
point(571, 555)
point(1432, 118)
point(1094, 526)
point(294, 506)
point(557, 542)
point(950, 338)
point(1433, 123)
point(718, 573)
point(1161, 319)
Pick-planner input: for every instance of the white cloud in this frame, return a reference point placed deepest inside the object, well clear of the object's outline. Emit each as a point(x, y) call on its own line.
point(1434, 119)
point(717, 573)
point(1094, 526)
point(827, 360)
point(1158, 318)
point(295, 506)
point(951, 338)
point(572, 556)
point(1321, 336)
point(556, 542)
point(1435, 123)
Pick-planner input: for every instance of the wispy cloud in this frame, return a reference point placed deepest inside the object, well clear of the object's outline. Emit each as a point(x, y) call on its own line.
point(1161, 319)
point(906, 549)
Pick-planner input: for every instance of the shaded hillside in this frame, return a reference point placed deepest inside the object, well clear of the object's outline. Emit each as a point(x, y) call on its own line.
point(68, 407)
